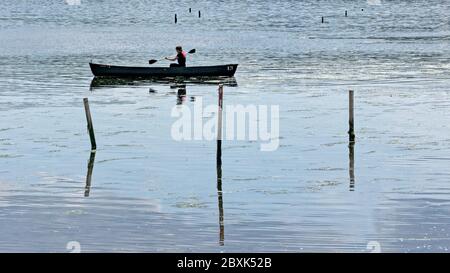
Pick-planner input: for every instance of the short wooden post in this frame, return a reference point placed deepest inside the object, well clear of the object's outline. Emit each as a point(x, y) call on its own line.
point(323, 20)
point(176, 19)
point(199, 14)
point(90, 127)
point(190, 10)
point(351, 131)
point(345, 13)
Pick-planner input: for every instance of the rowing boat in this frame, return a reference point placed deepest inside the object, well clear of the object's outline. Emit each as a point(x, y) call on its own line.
point(104, 70)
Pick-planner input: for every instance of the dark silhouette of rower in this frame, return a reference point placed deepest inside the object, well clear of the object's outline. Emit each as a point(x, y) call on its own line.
point(180, 58)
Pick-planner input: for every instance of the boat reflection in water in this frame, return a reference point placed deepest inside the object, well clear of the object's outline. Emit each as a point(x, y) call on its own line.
point(99, 82)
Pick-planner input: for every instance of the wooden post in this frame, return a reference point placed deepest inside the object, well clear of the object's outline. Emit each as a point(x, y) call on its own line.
point(351, 131)
point(219, 124)
point(219, 112)
point(199, 14)
point(190, 10)
point(322, 20)
point(345, 13)
point(351, 135)
point(176, 20)
point(90, 127)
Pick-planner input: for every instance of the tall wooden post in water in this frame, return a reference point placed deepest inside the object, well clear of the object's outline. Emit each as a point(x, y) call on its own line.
point(351, 131)
point(351, 138)
point(90, 127)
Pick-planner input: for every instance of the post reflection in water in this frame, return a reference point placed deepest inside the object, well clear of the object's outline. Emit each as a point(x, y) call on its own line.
point(220, 193)
point(89, 174)
point(219, 166)
point(351, 167)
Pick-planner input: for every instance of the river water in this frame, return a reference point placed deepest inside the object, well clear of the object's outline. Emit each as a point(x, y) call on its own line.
point(151, 193)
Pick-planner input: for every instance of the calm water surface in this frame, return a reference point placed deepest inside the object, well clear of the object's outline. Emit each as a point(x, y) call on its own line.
point(151, 193)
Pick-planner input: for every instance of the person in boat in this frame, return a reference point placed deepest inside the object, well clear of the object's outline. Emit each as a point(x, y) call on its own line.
point(180, 58)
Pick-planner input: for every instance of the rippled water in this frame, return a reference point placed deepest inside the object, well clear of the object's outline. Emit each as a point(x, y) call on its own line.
point(151, 193)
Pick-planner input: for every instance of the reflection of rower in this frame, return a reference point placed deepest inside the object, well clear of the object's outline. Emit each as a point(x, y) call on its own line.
point(180, 58)
point(181, 94)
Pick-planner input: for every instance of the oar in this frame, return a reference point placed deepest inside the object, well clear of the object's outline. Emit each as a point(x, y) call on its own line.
point(192, 51)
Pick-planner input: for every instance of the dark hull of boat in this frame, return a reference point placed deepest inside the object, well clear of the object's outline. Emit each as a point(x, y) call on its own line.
point(102, 70)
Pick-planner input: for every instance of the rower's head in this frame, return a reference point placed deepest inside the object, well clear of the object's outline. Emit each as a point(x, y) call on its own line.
point(179, 49)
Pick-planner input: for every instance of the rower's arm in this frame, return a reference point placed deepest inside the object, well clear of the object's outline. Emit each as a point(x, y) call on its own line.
point(171, 58)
